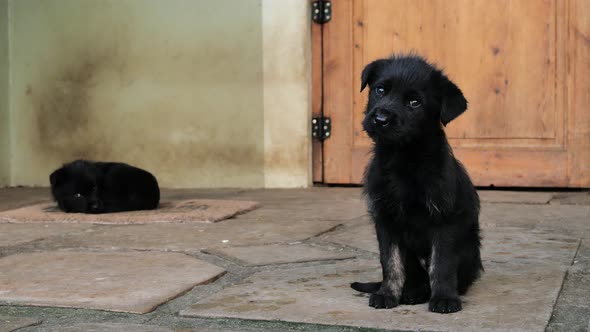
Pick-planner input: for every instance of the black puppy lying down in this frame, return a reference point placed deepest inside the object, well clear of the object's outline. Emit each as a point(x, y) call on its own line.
point(422, 201)
point(101, 187)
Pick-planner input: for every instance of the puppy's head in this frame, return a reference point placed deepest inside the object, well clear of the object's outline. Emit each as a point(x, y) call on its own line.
point(408, 99)
point(74, 187)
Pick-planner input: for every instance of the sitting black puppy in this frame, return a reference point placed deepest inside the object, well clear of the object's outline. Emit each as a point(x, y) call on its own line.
point(101, 187)
point(422, 201)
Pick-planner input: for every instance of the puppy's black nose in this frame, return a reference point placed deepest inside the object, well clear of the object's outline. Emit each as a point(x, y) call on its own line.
point(381, 118)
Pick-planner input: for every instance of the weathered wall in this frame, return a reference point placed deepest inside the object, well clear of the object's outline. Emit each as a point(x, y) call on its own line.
point(201, 95)
point(4, 117)
point(175, 87)
point(287, 94)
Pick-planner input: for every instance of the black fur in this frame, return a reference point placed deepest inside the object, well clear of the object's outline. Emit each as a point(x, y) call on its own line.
point(422, 201)
point(100, 187)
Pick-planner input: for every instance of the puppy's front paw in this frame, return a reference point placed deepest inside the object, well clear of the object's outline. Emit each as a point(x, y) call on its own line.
point(444, 305)
point(381, 301)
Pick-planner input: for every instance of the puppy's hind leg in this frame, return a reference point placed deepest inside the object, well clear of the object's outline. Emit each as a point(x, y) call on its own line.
point(469, 269)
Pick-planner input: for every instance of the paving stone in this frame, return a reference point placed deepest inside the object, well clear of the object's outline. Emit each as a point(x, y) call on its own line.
point(281, 254)
point(120, 281)
point(500, 244)
point(183, 237)
point(509, 297)
point(113, 328)
point(582, 260)
point(15, 234)
point(336, 210)
point(303, 195)
point(8, 324)
point(570, 318)
point(572, 198)
point(97, 327)
point(361, 236)
point(289, 209)
point(270, 197)
point(576, 291)
point(570, 218)
point(516, 197)
point(510, 244)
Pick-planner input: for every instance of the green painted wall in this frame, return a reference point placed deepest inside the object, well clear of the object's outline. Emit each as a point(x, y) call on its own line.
point(174, 87)
point(4, 116)
point(202, 93)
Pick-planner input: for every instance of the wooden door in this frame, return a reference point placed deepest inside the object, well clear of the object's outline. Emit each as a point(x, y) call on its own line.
point(523, 65)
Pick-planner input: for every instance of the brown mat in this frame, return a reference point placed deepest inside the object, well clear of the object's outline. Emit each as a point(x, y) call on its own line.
point(185, 211)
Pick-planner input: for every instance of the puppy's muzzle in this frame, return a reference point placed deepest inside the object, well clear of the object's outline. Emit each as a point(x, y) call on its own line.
point(381, 117)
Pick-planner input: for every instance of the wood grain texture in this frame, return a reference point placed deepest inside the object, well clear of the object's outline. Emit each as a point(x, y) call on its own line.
point(485, 48)
point(338, 73)
point(504, 168)
point(579, 93)
point(523, 65)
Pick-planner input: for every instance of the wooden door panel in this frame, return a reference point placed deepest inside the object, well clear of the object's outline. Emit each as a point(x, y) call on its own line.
point(486, 49)
point(338, 92)
point(509, 57)
point(317, 101)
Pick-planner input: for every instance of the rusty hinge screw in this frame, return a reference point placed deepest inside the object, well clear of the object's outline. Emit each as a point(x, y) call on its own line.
point(321, 128)
point(321, 11)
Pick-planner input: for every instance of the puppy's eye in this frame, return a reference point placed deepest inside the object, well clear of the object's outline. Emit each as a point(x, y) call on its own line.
point(414, 103)
point(380, 91)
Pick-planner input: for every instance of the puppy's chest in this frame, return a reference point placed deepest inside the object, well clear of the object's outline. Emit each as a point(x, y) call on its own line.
point(409, 201)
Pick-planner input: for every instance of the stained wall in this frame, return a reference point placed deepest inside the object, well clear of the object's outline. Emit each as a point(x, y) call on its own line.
point(4, 110)
point(201, 93)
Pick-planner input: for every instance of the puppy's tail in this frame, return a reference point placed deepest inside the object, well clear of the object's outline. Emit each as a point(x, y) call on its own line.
point(366, 287)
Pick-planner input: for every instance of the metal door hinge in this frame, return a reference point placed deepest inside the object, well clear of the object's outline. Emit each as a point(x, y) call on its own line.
point(321, 11)
point(321, 128)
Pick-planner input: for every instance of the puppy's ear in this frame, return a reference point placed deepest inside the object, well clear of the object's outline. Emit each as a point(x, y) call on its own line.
point(57, 177)
point(453, 104)
point(371, 71)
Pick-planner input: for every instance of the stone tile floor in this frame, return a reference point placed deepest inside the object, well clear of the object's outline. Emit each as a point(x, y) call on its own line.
point(130, 281)
point(285, 267)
